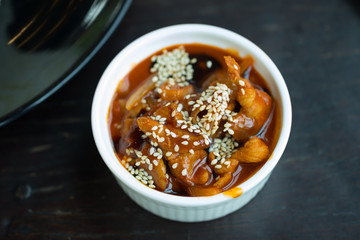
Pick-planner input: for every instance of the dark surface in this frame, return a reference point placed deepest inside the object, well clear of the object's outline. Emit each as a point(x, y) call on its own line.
point(54, 184)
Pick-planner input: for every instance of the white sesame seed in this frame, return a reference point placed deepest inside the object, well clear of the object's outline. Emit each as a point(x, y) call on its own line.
point(174, 165)
point(180, 106)
point(168, 154)
point(243, 91)
point(241, 83)
point(154, 128)
point(209, 64)
point(196, 143)
point(213, 162)
point(185, 143)
point(218, 166)
point(150, 166)
point(138, 153)
point(183, 172)
point(236, 67)
point(155, 79)
point(152, 149)
point(191, 151)
point(176, 148)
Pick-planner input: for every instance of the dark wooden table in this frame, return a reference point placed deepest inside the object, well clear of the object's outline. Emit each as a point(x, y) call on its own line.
point(54, 185)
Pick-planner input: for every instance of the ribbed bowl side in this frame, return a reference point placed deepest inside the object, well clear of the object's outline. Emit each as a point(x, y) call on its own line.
point(193, 214)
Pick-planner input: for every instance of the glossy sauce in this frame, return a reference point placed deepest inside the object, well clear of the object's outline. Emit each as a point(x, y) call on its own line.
point(202, 53)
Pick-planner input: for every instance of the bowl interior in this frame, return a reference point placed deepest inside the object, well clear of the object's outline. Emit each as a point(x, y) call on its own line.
point(154, 41)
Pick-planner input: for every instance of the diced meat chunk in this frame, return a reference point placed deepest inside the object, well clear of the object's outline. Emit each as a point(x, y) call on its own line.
point(170, 138)
point(155, 167)
point(191, 169)
point(254, 150)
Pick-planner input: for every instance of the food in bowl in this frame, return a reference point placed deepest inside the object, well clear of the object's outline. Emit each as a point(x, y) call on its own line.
point(193, 120)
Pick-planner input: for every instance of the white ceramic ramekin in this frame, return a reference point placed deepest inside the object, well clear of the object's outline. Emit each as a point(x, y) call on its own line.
point(186, 209)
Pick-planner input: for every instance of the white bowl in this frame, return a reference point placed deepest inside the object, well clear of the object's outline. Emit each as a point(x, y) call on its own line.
point(179, 208)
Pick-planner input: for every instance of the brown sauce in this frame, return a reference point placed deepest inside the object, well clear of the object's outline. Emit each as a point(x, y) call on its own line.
point(203, 53)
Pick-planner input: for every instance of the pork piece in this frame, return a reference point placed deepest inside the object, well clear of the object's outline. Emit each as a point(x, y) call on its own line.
point(223, 180)
point(219, 76)
point(116, 116)
point(175, 186)
point(130, 135)
point(256, 105)
point(189, 168)
point(170, 113)
point(155, 167)
point(224, 172)
point(195, 191)
point(254, 151)
point(175, 92)
point(230, 168)
point(171, 138)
